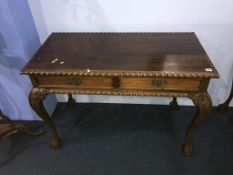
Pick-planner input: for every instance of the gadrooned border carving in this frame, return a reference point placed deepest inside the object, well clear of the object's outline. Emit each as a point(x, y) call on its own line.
point(115, 92)
point(142, 74)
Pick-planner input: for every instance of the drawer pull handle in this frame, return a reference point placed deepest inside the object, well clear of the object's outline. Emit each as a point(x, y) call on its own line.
point(74, 81)
point(116, 82)
point(160, 83)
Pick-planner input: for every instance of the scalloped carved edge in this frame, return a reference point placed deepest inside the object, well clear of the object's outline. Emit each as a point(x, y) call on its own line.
point(114, 92)
point(143, 74)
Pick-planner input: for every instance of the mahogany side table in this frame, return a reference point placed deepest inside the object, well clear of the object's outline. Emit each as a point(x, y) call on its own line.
point(122, 64)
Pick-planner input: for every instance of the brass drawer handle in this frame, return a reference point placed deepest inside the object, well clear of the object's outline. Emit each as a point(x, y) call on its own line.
point(74, 81)
point(159, 83)
point(116, 82)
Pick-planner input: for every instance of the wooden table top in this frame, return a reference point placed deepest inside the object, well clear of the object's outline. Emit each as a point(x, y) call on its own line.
point(152, 53)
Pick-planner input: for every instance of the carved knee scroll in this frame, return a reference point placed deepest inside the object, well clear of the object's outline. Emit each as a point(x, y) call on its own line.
point(204, 106)
point(203, 100)
point(36, 98)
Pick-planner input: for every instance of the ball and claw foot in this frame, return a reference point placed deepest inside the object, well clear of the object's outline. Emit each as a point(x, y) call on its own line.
point(55, 144)
point(187, 149)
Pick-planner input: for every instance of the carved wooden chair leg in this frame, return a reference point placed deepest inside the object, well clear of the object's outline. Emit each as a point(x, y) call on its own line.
point(204, 106)
point(224, 107)
point(6, 129)
point(174, 105)
point(36, 98)
point(21, 127)
point(12, 127)
point(71, 100)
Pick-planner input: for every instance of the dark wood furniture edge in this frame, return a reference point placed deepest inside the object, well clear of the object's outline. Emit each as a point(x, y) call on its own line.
point(224, 106)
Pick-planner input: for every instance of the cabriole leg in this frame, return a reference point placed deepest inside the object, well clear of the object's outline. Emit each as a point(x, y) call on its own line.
point(204, 106)
point(71, 100)
point(36, 98)
point(174, 105)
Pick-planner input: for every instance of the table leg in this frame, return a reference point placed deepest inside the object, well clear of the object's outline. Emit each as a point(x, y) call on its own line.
point(174, 105)
point(71, 100)
point(204, 106)
point(36, 98)
point(224, 107)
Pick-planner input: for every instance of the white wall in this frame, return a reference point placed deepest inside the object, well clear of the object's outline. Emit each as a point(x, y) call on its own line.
point(212, 20)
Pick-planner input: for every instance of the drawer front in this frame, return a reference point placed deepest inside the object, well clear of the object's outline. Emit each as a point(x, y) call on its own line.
point(74, 82)
point(119, 83)
point(160, 84)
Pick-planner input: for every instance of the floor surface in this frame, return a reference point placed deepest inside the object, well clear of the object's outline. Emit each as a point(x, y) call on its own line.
point(122, 139)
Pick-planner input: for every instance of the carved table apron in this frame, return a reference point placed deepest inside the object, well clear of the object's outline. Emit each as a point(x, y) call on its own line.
point(122, 64)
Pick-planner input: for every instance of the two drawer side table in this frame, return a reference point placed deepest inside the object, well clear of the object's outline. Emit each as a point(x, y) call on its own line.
point(122, 64)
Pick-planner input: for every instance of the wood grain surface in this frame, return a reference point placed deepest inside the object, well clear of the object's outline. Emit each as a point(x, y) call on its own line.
point(164, 52)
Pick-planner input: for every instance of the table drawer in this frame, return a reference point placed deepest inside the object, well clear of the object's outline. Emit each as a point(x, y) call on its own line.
point(119, 83)
point(160, 83)
point(74, 82)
